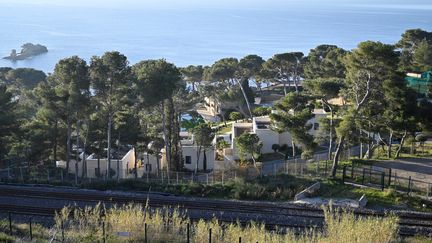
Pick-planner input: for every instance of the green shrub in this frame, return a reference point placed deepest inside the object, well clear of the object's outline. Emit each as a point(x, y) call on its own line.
point(6, 238)
point(276, 147)
point(245, 190)
point(234, 116)
point(261, 111)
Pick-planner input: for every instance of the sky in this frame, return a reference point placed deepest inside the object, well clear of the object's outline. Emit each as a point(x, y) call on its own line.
point(254, 4)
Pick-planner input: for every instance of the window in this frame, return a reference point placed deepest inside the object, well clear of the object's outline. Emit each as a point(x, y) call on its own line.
point(148, 167)
point(188, 160)
point(316, 126)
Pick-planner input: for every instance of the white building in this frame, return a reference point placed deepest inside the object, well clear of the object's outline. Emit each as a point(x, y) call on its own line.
point(148, 163)
point(98, 168)
point(190, 155)
point(261, 126)
point(212, 109)
point(124, 165)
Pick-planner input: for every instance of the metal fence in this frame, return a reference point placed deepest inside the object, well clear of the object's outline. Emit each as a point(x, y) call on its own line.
point(25, 227)
point(317, 167)
point(182, 177)
point(368, 175)
point(26, 174)
point(55, 175)
point(385, 178)
point(187, 231)
point(35, 174)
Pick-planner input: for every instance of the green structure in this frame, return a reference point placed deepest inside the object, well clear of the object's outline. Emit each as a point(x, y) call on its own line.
point(421, 83)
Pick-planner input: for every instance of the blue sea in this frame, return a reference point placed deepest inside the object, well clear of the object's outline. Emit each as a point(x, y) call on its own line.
point(201, 35)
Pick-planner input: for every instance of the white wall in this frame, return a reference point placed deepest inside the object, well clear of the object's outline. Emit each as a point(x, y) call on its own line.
point(236, 131)
point(269, 137)
point(192, 152)
point(126, 163)
point(212, 106)
point(149, 164)
point(313, 131)
point(285, 138)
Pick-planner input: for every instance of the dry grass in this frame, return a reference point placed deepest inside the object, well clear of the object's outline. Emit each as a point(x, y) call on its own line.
point(126, 224)
point(346, 227)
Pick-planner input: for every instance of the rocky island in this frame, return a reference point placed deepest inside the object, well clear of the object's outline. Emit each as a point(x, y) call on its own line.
point(27, 50)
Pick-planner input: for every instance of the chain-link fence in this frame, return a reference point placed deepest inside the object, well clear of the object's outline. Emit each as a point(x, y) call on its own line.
point(317, 167)
point(38, 174)
point(32, 174)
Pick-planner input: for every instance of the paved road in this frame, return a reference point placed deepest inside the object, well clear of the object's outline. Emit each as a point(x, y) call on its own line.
point(419, 165)
point(419, 168)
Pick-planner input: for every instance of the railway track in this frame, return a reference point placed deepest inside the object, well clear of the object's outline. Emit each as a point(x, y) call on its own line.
point(410, 223)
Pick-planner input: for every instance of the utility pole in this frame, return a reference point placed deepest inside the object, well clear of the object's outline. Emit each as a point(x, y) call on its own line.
point(77, 152)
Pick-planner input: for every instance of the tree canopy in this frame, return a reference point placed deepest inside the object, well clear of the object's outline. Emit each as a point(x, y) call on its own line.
point(292, 115)
point(410, 41)
point(248, 144)
point(7, 119)
point(23, 78)
point(109, 105)
point(325, 61)
point(285, 68)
